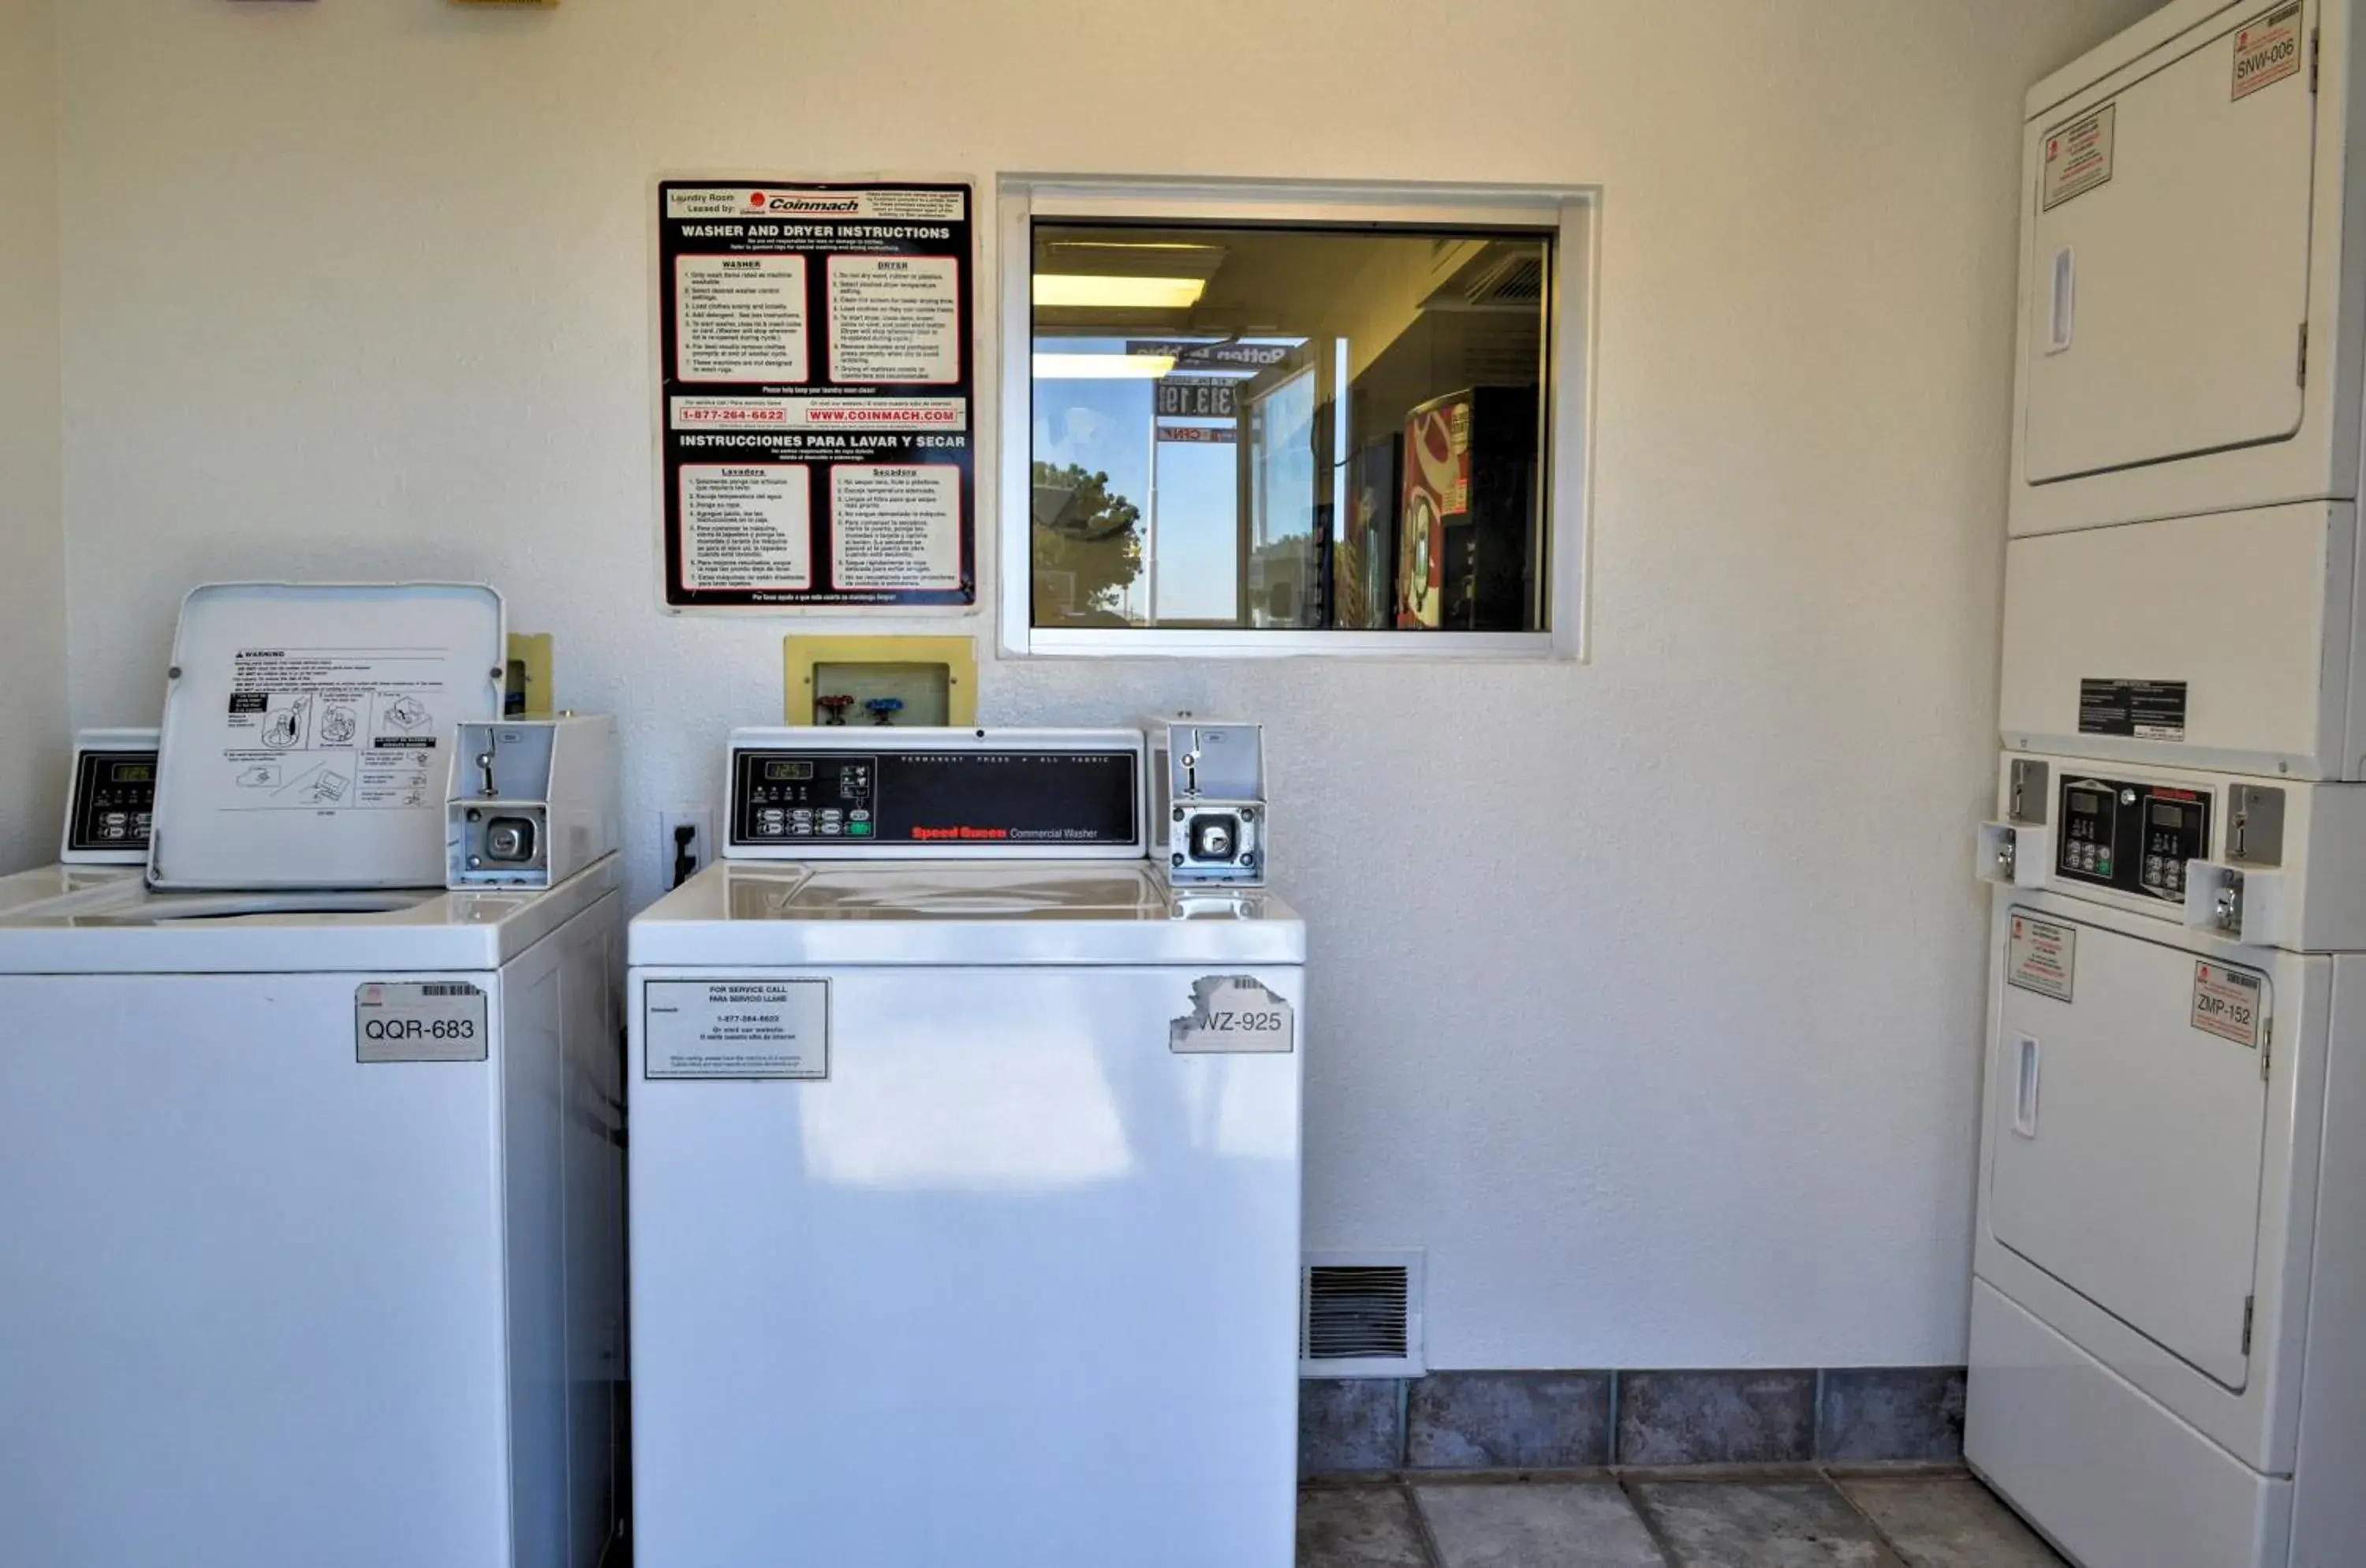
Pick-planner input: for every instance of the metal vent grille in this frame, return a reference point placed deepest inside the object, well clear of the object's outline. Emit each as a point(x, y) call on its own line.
point(1360, 1315)
point(1512, 280)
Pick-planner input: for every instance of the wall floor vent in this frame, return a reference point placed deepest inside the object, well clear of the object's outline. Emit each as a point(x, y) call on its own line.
point(1359, 1315)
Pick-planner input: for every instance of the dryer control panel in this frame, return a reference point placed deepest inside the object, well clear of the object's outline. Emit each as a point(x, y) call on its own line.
point(2133, 837)
point(829, 792)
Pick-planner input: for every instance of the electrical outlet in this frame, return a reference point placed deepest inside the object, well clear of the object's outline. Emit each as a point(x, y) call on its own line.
point(685, 843)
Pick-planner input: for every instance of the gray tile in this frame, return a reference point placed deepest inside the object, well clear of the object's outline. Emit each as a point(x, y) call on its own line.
point(1948, 1521)
point(1891, 1412)
point(1716, 1417)
point(1508, 1420)
point(1348, 1424)
point(1767, 1524)
point(1560, 1525)
point(1358, 1527)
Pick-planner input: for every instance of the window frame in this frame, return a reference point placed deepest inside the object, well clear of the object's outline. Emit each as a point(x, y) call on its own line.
point(1571, 213)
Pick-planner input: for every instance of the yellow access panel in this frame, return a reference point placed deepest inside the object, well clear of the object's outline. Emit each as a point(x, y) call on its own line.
point(887, 682)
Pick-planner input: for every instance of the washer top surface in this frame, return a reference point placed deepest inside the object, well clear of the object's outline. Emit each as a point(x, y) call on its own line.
point(120, 926)
point(41, 884)
point(927, 912)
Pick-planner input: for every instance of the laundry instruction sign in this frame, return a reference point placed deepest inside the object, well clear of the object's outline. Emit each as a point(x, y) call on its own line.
point(736, 1029)
point(816, 391)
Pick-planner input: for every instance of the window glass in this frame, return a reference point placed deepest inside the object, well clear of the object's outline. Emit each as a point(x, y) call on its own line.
point(1263, 427)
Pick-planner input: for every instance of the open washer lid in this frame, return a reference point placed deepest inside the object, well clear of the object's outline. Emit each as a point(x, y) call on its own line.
point(308, 730)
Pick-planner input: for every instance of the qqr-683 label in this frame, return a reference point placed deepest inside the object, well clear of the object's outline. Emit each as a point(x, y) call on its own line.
point(432, 1020)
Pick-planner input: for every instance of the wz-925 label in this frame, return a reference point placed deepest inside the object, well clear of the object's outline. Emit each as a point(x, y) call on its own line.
point(400, 1021)
point(1233, 1012)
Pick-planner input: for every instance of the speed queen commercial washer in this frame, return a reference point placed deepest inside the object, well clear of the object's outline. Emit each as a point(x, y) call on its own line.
point(965, 1193)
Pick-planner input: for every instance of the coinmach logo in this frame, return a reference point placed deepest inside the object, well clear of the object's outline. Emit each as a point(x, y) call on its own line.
point(829, 206)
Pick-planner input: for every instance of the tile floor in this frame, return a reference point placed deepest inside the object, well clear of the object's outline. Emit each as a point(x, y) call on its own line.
point(1793, 1518)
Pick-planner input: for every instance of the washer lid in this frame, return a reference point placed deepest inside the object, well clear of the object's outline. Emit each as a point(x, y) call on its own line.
point(307, 731)
point(916, 912)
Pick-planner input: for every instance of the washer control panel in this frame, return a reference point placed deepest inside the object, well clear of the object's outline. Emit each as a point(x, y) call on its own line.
point(113, 800)
point(836, 792)
point(2133, 837)
point(794, 797)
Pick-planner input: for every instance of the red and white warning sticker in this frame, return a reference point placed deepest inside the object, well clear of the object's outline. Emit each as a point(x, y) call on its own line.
point(2226, 1003)
point(2267, 50)
point(2041, 956)
point(2078, 155)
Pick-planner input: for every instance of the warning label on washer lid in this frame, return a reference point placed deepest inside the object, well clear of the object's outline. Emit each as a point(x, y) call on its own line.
point(2041, 956)
point(2142, 710)
point(1233, 1012)
point(2078, 156)
point(2267, 50)
point(2226, 1003)
point(736, 1029)
point(408, 1020)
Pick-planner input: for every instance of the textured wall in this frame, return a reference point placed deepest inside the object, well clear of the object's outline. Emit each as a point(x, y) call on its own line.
point(1664, 1044)
point(32, 543)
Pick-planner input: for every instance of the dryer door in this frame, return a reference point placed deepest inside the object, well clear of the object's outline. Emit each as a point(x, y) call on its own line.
point(2128, 1127)
point(2169, 254)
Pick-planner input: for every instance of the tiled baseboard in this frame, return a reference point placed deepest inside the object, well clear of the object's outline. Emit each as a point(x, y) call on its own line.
point(1578, 1420)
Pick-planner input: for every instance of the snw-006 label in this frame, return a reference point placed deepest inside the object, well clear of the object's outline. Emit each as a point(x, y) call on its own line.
point(2267, 50)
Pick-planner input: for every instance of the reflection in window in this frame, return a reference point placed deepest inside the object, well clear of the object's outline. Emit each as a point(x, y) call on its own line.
point(1262, 427)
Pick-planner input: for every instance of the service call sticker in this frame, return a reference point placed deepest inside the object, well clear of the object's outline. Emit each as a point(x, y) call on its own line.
point(407, 1020)
point(736, 1029)
point(2267, 50)
point(2226, 1003)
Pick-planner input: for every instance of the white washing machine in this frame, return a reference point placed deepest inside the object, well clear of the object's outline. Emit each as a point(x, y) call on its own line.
point(2168, 1302)
point(965, 1193)
point(312, 1252)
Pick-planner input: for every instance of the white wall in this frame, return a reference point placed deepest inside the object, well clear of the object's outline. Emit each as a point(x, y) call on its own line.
point(32, 542)
point(1665, 1047)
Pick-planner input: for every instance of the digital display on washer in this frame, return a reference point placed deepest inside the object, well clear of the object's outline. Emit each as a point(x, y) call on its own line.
point(886, 796)
point(114, 801)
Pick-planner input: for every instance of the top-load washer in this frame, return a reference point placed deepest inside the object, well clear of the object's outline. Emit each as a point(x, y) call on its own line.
point(965, 1193)
point(312, 1250)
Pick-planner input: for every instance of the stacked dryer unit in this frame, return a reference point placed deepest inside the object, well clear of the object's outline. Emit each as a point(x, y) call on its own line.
point(2169, 1306)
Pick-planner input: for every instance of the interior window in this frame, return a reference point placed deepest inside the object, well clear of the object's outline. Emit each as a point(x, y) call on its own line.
point(1247, 427)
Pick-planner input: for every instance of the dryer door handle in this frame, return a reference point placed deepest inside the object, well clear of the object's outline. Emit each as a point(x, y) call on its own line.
point(2024, 1104)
